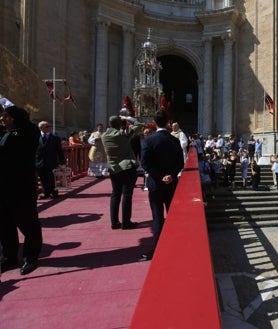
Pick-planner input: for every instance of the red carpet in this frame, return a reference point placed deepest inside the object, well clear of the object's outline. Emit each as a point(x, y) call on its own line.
point(89, 276)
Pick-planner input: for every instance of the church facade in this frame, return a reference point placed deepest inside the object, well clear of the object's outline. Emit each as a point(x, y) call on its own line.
point(218, 60)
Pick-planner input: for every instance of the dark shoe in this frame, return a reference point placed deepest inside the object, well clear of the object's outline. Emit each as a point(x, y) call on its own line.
point(8, 265)
point(129, 226)
point(28, 267)
point(54, 194)
point(116, 226)
point(147, 256)
point(43, 196)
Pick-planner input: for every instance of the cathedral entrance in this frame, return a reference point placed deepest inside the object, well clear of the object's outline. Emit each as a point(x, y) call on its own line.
point(179, 84)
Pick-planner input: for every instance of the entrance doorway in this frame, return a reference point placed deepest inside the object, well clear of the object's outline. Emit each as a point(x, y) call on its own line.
point(179, 85)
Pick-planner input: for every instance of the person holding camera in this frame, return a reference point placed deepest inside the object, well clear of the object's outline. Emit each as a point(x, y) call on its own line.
point(122, 166)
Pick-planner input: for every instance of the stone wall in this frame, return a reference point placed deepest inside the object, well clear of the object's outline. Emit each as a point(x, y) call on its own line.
point(18, 83)
point(63, 36)
point(255, 67)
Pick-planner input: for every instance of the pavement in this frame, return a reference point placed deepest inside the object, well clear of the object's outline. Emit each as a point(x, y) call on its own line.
point(89, 276)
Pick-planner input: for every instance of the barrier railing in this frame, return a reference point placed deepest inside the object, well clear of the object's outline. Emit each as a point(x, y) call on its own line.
point(77, 158)
point(179, 290)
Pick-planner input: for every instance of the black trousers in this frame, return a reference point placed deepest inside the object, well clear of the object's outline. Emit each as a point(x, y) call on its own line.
point(47, 179)
point(22, 216)
point(123, 185)
point(160, 201)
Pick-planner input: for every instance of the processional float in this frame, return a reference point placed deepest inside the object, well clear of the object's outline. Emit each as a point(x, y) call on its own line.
point(147, 90)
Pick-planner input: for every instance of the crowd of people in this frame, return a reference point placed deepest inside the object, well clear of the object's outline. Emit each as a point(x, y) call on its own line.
point(117, 152)
point(218, 159)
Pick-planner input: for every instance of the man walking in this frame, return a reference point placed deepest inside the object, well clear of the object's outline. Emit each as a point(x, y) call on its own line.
point(162, 158)
point(122, 167)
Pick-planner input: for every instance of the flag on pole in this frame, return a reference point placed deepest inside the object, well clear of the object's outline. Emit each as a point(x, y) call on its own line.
point(56, 95)
point(70, 96)
point(50, 87)
point(269, 103)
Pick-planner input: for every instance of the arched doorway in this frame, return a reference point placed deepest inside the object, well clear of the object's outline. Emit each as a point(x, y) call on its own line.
point(179, 84)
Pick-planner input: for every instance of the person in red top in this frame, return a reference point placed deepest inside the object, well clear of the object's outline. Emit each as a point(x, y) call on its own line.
point(74, 139)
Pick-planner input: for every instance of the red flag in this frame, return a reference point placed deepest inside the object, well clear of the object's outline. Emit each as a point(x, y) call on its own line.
point(50, 88)
point(69, 97)
point(269, 103)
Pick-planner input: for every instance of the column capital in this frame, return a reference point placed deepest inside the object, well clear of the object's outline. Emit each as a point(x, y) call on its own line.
point(207, 38)
point(228, 38)
point(128, 29)
point(102, 23)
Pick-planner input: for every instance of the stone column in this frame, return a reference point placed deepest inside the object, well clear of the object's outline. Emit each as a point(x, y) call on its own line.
point(206, 114)
point(227, 114)
point(127, 82)
point(200, 104)
point(101, 73)
point(209, 5)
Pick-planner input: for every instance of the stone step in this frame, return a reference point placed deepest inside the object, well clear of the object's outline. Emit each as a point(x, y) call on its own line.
point(240, 219)
point(241, 212)
point(224, 192)
point(240, 206)
point(268, 221)
point(216, 206)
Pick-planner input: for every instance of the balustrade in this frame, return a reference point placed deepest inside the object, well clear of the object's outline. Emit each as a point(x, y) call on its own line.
point(77, 158)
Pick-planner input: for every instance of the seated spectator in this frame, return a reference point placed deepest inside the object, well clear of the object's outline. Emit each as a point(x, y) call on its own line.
point(255, 175)
point(74, 139)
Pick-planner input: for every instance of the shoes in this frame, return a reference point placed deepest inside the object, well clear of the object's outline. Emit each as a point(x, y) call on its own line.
point(8, 265)
point(147, 256)
point(43, 196)
point(28, 267)
point(116, 226)
point(129, 226)
point(54, 194)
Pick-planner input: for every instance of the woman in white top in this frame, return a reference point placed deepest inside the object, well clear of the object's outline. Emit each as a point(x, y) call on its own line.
point(97, 155)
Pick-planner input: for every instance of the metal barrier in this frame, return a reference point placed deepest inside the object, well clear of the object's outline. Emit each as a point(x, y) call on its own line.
point(179, 290)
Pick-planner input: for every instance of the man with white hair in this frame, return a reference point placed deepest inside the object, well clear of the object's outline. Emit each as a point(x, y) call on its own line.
point(48, 157)
point(178, 133)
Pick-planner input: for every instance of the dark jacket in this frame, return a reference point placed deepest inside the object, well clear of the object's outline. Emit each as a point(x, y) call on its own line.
point(161, 155)
point(50, 154)
point(17, 163)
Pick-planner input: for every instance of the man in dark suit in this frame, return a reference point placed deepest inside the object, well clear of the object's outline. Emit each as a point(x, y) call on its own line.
point(162, 159)
point(49, 156)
